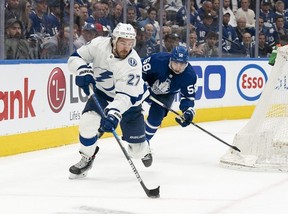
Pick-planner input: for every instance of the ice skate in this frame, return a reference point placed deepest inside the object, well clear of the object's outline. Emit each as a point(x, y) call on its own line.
point(80, 170)
point(147, 160)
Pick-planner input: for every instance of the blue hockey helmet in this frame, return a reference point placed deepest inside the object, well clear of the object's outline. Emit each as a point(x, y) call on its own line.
point(180, 54)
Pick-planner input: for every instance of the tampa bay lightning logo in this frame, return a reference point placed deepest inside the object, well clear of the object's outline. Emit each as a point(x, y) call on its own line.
point(132, 62)
point(106, 80)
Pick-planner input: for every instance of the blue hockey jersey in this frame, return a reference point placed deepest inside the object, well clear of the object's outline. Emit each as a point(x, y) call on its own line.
point(162, 80)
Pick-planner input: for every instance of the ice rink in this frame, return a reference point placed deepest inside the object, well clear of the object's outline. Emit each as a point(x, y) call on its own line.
point(186, 167)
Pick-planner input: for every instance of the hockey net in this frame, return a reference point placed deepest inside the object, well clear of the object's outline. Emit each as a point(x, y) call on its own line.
point(263, 141)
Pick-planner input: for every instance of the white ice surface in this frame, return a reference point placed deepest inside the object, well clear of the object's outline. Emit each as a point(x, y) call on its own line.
point(186, 167)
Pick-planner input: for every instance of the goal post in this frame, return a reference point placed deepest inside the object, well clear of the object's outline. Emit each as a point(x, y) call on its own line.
point(263, 141)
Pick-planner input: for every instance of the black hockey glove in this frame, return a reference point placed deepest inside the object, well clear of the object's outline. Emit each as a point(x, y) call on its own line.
point(186, 118)
point(85, 78)
point(110, 122)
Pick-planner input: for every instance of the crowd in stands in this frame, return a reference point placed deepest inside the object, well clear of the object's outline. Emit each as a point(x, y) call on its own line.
point(39, 29)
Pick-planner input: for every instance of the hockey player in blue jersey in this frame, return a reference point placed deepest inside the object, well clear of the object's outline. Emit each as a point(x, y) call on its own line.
point(167, 74)
point(116, 75)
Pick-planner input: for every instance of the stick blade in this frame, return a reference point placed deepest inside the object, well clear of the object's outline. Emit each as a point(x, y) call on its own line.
point(235, 148)
point(153, 193)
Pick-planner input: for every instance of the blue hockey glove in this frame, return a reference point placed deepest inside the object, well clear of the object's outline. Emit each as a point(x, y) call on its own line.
point(186, 118)
point(85, 78)
point(110, 122)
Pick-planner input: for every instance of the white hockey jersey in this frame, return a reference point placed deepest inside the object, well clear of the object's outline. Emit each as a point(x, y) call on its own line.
point(120, 79)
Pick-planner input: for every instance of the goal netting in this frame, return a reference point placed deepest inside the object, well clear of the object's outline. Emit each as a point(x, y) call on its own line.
point(263, 141)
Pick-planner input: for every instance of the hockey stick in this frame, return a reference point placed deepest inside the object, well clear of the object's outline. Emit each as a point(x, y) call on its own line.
point(168, 108)
point(233, 42)
point(153, 193)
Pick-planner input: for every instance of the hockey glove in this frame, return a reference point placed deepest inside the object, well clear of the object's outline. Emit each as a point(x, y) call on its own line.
point(85, 78)
point(110, 122)
point(186, 118)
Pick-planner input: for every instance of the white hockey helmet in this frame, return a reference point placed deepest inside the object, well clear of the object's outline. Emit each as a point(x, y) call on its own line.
point(123, 30)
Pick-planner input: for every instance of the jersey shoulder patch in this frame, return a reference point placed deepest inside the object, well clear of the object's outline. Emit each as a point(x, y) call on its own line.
point(132, 62)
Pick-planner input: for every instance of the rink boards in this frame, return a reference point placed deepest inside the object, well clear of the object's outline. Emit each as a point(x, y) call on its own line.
point(40, 106)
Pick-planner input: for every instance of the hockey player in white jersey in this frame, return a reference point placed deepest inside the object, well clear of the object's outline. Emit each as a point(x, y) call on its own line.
point(116, 72)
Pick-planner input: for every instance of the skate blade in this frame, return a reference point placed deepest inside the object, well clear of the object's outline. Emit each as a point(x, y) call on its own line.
point(80, 176)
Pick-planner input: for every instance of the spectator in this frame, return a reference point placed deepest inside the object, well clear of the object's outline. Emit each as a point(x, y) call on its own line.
point(156, 4)
point(266, 12)
point(280, 11)
point(234, 6)
point(215, 12)
point(166, 30)
point(131, 15)
point(267, 31)
point(131, 3)
point(279, 30)
point(241, 28)
point(230, 40)
point(38, 18)
point(53, 18)
point(15, 46)
point(98, 16)
point(77, 19)
point(101, 30)
point(87, 34)
point(209, 48)
point(107, 11)
point(117, 17)
point(56, 47)
point(203, 28)
point(83, 2)
point(181, 15)
point(151, 19)
point(173, 5)
point(246, 45)
point(264, 50)
point(83, 13)
point(25, 10)
point(150, 40)
point(140, 47)
point(246, 12)
point(165, 21)
point(109, 8)
point(194, 47)
point(76, 9)
point(169, 43)
point(264, 28)
point(12, 9)
point(205, 9)
point(226, 8)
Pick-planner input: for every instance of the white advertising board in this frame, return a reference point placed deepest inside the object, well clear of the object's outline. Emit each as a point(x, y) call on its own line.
point(43, 96)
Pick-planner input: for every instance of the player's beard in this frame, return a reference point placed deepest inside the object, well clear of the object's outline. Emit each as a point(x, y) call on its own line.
point(123, 54)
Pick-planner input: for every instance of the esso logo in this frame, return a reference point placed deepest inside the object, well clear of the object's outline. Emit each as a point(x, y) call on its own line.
point(251, 81)
point(56, 90)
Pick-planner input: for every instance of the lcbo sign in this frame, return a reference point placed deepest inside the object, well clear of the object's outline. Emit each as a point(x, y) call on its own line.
point(214, 82)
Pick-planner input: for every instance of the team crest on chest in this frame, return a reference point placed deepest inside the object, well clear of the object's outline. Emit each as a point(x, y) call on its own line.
point(132, 62)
